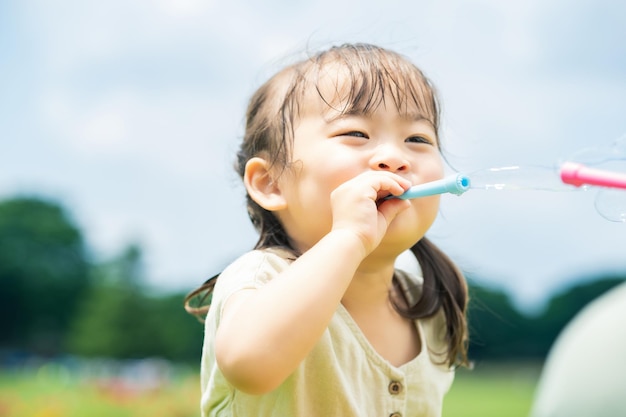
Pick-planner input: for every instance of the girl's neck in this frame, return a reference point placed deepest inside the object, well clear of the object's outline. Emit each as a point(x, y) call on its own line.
point(370, 286)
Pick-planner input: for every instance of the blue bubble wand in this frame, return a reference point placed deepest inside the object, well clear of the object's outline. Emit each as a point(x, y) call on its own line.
point(453, 184)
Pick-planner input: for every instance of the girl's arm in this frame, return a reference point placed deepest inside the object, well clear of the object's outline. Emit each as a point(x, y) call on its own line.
point(265, 333)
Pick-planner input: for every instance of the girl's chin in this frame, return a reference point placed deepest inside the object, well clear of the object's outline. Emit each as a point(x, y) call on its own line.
point(397, 243)
point(404, 235)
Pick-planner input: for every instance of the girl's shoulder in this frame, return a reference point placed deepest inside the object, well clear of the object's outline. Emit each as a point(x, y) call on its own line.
point(253, 269)
point(260, 260)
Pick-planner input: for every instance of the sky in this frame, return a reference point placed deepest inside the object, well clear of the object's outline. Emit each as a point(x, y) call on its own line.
point(129, 113)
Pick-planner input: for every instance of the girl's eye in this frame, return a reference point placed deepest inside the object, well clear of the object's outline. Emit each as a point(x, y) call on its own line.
point(356, 134)
point(418, 139)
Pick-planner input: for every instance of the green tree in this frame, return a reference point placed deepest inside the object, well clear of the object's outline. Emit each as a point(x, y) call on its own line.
point(43, 273)
point(112, 319)
point(563, 306)
point(497, 329)
point(121, 319)
point(177, 334)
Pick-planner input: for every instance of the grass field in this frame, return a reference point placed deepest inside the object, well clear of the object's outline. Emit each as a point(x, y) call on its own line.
point(493, 390)
point(52, 391)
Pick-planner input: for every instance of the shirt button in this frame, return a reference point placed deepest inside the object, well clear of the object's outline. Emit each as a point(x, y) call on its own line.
point(395, 415)
point(395, 388)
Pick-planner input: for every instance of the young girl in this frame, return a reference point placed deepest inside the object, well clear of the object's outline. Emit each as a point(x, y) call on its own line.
point(317, 321)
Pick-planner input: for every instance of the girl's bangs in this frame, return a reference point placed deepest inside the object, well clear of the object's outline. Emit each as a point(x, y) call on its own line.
point(362, 82)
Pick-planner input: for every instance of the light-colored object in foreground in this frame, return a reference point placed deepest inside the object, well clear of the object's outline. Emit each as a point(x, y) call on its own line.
point(585, 373)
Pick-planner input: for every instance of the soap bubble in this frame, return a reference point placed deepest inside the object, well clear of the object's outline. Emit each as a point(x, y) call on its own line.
point(612, 157)
point(518, 177)
point(609, 202)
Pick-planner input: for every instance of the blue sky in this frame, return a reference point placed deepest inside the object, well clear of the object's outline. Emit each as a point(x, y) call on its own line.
point(129, 113)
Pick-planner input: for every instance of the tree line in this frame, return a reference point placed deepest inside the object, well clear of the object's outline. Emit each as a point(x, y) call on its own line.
point(56, 300)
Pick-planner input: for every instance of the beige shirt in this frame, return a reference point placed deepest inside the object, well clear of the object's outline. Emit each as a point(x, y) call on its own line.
point(342, 376)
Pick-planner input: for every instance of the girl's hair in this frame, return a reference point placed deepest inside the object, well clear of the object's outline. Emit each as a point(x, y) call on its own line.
point(374, 74)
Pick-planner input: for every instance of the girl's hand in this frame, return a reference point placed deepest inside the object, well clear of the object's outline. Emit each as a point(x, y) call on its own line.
point(358, 205)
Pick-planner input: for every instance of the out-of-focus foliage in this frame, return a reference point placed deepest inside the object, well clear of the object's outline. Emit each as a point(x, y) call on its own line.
point(43, 274)
point(112, 314)
point(492, 320)
point(118, 319)
point(499, 331)
point(565, 305)
point(55, 300)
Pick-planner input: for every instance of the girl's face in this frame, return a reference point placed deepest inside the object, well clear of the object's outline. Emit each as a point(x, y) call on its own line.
point(329, 149)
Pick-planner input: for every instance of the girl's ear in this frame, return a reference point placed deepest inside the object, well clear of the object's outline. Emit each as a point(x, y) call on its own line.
point(261, 186)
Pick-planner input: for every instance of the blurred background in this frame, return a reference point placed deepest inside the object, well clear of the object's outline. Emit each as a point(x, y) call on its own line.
point(118, 127)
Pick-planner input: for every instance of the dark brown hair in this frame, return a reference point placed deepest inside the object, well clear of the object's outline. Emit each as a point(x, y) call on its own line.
point(373, 74)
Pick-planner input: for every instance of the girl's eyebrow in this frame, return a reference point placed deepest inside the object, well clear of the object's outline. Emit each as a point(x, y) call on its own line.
point(334, 115)
point(416, 116)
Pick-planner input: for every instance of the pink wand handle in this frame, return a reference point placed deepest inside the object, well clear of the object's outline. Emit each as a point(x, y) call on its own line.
point(578, 174)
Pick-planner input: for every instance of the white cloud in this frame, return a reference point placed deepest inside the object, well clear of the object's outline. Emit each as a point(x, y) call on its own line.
point(186, 8)
point(176, 131)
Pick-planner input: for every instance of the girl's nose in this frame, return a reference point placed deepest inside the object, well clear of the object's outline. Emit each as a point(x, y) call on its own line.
point(389, 159)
